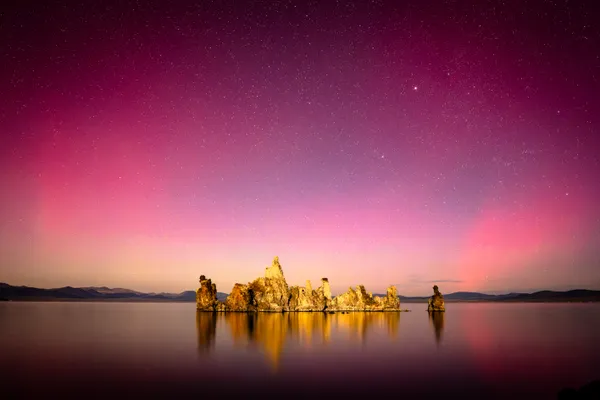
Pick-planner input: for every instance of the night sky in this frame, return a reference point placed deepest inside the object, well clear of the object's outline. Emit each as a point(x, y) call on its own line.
point(373, 142)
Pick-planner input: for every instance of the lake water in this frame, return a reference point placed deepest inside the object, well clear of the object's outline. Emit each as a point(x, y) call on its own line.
point(475, 350)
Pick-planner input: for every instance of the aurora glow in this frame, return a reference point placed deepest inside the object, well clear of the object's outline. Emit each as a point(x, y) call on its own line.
point(368, 142)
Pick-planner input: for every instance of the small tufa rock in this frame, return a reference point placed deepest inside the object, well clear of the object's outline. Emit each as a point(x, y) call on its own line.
point(240, 299)
point(360, 300)
point(206, 295)
point(271, 293)
point(326, 288)
point(300, 299)
point(436, 302)
point(353, 300)
point(274, 271)
point(391, 299)
point(307, 299)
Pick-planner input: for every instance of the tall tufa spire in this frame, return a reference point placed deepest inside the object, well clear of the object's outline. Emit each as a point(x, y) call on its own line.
point(274, 271)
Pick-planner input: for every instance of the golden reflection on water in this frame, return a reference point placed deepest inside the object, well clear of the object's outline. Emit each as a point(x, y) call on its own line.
point(272, 331)
point(206, 327)
point(357, 324)
point(241, 326)
point(270, 334)
point(306, 327)
point(436, 320)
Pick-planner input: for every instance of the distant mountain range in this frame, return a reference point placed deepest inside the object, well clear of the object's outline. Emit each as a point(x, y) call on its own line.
point(8, 292)
point(579, 295)
point(103, 293)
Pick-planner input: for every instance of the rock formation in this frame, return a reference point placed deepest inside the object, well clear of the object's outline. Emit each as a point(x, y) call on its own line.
point(360, 300)
point(272, 293)
point(436, 302)
point(240, 299)
point(325, 288)
point(206, 295)
point(307, 299)
point(391, 299)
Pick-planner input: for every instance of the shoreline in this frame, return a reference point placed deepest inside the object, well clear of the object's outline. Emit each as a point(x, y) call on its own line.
point(58, 300)
point(304, 311)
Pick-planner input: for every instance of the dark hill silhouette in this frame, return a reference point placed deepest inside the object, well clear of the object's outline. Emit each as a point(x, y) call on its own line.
point(9, 292)
point(579, 295)
point(104, 293)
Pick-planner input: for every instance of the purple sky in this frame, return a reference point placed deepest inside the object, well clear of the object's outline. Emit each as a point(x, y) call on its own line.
point(374, 142)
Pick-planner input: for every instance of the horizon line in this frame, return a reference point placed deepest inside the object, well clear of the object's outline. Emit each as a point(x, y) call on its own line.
point(374, 293)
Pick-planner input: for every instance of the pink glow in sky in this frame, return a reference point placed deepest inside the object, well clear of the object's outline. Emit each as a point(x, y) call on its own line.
point(376, 144)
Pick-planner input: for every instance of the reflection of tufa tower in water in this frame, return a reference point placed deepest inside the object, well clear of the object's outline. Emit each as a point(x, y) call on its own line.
point(271, 333)
point(206, 329)
point(437, 321)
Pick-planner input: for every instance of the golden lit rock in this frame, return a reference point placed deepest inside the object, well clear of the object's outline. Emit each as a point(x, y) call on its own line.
point(436, 302)
point(272, 293)
point(240, 299)
point(206, 295)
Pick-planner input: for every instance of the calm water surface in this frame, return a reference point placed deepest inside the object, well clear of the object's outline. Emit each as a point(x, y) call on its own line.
point(477, 350)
